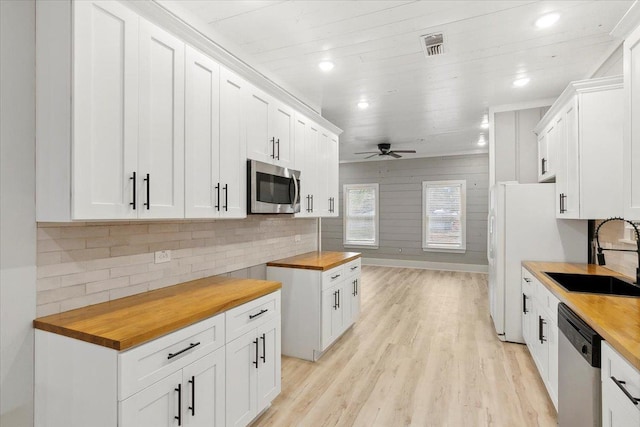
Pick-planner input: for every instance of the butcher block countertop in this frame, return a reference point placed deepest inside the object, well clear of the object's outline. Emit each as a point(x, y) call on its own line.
point(320, 261)
point(126, 322)
point(615, 318)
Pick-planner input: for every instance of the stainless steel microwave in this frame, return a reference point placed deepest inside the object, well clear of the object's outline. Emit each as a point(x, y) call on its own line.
point(272, 189)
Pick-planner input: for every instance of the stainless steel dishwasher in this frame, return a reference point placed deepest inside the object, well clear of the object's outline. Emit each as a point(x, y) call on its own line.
point(578, 371)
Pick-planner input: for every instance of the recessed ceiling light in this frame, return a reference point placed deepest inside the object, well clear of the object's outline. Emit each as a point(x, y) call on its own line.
point(326, 65)
point(363, 105)
point(481, 141)
point(545, 21)
point(521, 81)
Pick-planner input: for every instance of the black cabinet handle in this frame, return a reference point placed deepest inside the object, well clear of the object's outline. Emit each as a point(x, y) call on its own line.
point(226, 197)
point(335, 277)
point(354, 267)
point(179, 416)
point(621, 384)
point(278, 145)
point(312, 203)
point(192, 345)
point(563, 199)
point(264, 348)
point(263, 311)
point(357, 286)
point(544, 166)
point(256, 362)
point(308, 203)
point(218, 197)
point(354, 288)
point(524, 304)
point(338, 298)
point(192, 408)
point(335, 300)
point(541, 324)
point(148, 181)
point(134, 191)
point(273, 148)
point(526, 279)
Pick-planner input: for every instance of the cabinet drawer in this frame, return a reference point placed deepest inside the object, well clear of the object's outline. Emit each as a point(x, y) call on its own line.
point(614, 365)
point(245, 317)
point(332, 277)
point(527, 282)
point(352, 267)
point(143, 365)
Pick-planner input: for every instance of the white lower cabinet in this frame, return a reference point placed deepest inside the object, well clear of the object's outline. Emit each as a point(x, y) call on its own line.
point(620, 390)
point(540, 330)
point(319, 306)
point(224, 370)
point(192, 397)
point(253, 359)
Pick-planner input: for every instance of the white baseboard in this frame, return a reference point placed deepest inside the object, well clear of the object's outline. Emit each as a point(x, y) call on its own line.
point(426, 265)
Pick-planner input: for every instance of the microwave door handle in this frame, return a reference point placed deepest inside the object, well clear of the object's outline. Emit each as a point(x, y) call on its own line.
point(295, 186)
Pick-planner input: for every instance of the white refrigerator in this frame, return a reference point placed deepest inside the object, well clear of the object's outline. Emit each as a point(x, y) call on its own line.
point(522, 226)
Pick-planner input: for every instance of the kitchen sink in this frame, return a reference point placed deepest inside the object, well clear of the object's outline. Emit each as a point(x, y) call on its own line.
point(594, 284)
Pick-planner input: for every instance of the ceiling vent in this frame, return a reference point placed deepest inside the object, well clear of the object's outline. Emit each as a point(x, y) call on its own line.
point(432, 44)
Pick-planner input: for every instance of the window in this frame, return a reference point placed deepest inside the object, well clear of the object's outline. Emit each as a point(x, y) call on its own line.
point(444, 216)
point(361, 215)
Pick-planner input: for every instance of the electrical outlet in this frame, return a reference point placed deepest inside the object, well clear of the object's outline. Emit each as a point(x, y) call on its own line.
point(162, 256)
point(297, 238)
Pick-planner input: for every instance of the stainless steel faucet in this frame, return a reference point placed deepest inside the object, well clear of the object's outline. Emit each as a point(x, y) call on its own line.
point(600, 249)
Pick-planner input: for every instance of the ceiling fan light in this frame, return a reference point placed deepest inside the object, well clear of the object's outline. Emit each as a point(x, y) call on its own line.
point(523, 81)
point(363, 105)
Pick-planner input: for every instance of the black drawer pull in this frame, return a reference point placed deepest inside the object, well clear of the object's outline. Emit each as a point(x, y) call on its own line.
point(621, 384)
point(217, 206)
point(148, 181)
point(263, 311)
point(257, 356)
point(133, 203)
point(192, 408)
point(524, 304)
point(192, 345)
point(335, 277)
point(541, 324)
point(526, 279)
point(354, 267)
point(264, 348)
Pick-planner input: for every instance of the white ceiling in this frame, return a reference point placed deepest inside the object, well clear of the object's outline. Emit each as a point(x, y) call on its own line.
point(433, 105)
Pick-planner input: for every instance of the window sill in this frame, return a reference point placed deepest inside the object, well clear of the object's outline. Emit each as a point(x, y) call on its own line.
point(356, 246)
point(451, 251)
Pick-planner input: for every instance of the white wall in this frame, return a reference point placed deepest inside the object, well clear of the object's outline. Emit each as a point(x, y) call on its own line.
point(17, 211)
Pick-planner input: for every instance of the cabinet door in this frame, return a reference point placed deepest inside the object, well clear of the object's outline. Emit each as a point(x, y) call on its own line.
point(352, 300)
point(155, 406)
point(233, 147)
point(306, 143)
point(161, 144)
point(333, 171)
point(617, 409)
point(269, 379)
point(568, 173)
point(527, 316)
point(260, 140)
point(242, 373)
point(321, 201)
point(105, 110)
point(331, 316)
point(202, 135)
point(632, 126)
point(283, 125)
point(204, 396)
point(542, 156)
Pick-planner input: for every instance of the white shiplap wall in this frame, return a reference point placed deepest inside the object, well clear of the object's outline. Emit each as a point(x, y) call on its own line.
point(401, 210)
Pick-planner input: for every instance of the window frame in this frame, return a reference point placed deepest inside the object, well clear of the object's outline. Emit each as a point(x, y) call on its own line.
point(462, 248)
point(376, 221)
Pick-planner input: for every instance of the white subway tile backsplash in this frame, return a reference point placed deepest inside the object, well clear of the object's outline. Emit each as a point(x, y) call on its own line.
point(86, 263)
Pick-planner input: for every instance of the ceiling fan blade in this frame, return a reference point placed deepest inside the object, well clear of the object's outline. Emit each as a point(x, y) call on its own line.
point(368, 152)
point(393, 154)
point(373, 155)
point(404, 151)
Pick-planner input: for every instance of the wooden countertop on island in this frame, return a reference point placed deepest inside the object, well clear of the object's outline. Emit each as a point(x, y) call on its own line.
point(126, 322)
point(615, 318)
point(321, 261)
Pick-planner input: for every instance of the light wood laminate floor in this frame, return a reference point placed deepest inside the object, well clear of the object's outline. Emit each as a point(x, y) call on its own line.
point(423, 353)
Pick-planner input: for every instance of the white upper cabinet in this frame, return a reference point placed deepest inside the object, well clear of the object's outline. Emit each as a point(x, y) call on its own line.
point(270, 129)
point(161, 124)
point(215, 171)
point(105, 114)
point(632, 125)
point(306, 134)
point(583, 129)
point(546, 154)
point(233, 146)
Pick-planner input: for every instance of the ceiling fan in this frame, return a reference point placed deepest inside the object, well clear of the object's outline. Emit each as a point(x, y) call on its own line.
point(385, 150)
